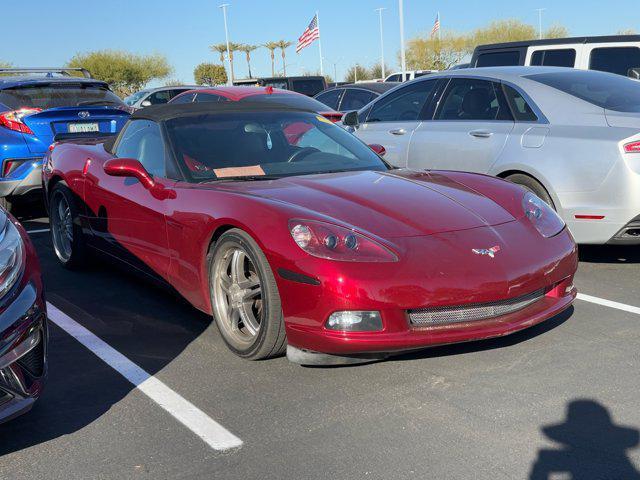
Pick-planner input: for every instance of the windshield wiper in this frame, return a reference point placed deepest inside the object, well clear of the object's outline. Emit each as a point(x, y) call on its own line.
point(244, 178)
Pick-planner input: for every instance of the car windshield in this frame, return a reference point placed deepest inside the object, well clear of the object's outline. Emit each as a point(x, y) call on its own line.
point(605, 90)
point(131, 99)
point(52, 95)
point(260, 145)
point(289, 99)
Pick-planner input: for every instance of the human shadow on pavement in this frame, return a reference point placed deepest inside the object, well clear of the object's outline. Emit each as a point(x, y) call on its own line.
point(591, 446)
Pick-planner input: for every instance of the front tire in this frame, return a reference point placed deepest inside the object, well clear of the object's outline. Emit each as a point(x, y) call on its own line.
point(244, 297)
point(66, 232)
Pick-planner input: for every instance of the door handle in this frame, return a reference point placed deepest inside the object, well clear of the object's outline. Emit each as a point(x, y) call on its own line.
point(480, 133)
point(397, 131)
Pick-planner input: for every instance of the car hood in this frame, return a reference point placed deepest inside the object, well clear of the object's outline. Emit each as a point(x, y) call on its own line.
point(393, 204)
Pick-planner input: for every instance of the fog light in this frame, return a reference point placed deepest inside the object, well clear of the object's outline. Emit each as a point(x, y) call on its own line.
point(355, 321)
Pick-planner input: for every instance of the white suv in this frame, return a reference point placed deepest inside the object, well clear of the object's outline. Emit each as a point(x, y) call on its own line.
point(615, 54)
point(408, 75)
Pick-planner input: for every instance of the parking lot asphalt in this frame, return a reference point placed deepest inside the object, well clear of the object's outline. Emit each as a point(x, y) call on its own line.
point(561, 397)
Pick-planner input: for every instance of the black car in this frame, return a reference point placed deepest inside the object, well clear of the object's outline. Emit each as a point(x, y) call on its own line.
point(353, 96)
point(307, 85)
point(23, 321)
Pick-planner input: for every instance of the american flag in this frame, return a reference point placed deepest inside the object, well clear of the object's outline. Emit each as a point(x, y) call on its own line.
point(309, 35)
point(436, 26)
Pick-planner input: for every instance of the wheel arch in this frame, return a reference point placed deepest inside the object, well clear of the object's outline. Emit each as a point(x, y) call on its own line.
point(543, 183)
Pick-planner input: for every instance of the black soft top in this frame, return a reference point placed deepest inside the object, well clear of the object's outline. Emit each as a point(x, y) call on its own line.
point(168, 111)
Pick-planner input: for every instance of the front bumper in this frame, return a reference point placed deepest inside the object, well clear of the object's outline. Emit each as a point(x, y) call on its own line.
point(24, 179)
point(431, 274)
point(23, 319)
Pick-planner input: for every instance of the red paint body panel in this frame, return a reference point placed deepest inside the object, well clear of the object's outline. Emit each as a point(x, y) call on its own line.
point(431, 220)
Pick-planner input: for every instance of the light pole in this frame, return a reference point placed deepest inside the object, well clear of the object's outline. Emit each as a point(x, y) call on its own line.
point(226, 34)
point(379, 10)
point(540, 10)
point(402, 56)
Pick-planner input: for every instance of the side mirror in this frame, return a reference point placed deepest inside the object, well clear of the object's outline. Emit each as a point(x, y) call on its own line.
point(128, 167)
point(145, 103)
point(634, 73)
point(350, 119)
point(379, 149)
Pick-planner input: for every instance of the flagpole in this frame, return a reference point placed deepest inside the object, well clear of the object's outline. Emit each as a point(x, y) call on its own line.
point(439, 27)
point(319, 42)
point(403, 60)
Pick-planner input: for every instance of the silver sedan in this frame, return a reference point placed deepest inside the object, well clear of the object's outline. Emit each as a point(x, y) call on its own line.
point(570, 136)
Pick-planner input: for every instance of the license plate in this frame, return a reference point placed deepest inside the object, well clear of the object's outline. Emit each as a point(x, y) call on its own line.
point(83, 127)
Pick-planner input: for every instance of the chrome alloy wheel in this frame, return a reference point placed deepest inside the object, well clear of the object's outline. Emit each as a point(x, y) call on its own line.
point(62, 226)
point(237, 294)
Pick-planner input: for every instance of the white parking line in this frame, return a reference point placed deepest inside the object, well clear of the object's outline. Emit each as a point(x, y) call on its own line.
point(211, 432)
point(42, 230)
point(609, 303)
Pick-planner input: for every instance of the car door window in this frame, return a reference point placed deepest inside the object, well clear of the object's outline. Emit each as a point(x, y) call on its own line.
point(187, 98)
point(472, 99)
point(158, 98)
point(209, 97)
point(355, 99)
point(564, 57)
point(394, 78)
point(330, 98)
point(615, 59)
point(521, 110)
point(177, 91)
point(404, 104)
point(143, 141)
point(498, 59)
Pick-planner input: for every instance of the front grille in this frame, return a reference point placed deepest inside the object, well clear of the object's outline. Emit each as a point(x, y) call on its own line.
point(427, 317)
point(33, 361)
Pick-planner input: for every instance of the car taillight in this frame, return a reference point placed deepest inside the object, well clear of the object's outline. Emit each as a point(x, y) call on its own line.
point(633, 147)
point(333, 116)
point(13, 119)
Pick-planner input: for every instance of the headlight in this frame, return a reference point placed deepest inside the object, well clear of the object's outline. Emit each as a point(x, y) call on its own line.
point(11, 256)
point(543, 217)
point(332, 242)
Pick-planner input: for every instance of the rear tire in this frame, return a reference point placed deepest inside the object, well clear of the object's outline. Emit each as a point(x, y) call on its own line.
point(244, 297)
point(532, 185)
point(68, 239)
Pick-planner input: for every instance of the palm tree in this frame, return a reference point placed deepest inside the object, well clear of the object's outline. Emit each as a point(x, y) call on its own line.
point(283, 45)
point(247, 49)
point(271, 46)
point(220, 48)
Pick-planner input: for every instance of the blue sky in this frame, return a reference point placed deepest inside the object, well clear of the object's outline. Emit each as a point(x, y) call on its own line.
point(48, 33)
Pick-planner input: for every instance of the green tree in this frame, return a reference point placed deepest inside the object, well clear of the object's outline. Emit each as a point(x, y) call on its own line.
point(124, 71)
point(436, 53)
point(358, 72)
point(247, 49)
point(174, 82)
point(221, 49)
point(283, 45)
point(316, 73)
point(271, 46)
point(210, 74)
point(376, 70)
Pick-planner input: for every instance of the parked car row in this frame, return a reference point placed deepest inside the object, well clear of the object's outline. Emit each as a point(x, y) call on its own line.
point(297, 236)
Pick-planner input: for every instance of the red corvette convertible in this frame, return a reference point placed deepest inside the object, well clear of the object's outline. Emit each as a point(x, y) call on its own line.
point(296, 236)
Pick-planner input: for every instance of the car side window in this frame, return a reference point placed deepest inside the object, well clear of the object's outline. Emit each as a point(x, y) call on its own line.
point(404, 104)
point(498, 59)
point(209, 97)
point(355, 99)
point(522, 111)
point(142, 140)
point(187, 98)
point(330, 98)
point(615, 59)
point(158, 98)
point(394, 78)
point(472, 99)
point(561, 57)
